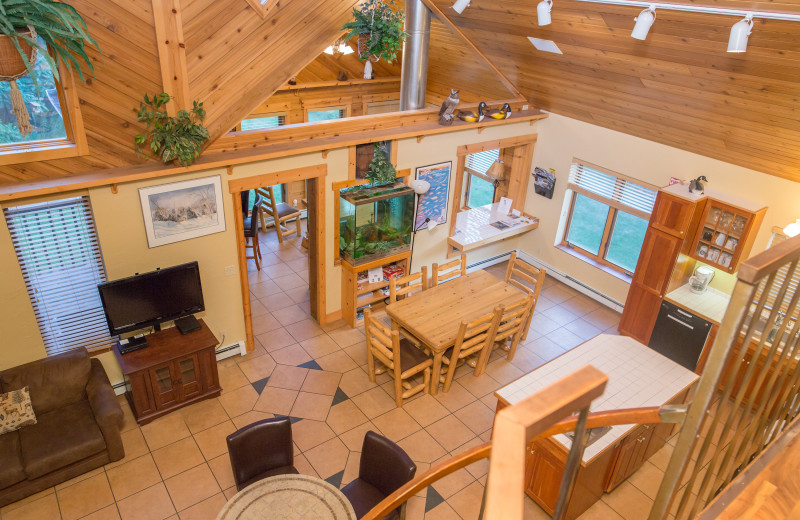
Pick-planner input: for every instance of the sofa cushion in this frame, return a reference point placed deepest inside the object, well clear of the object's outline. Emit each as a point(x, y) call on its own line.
point(69, 372)
point(60, 437)
point(16, 410)
point(11, 470)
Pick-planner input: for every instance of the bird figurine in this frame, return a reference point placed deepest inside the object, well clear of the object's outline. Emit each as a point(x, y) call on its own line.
point(503, 113)
point(471, 117)
point(697, 184)
point(448, 107)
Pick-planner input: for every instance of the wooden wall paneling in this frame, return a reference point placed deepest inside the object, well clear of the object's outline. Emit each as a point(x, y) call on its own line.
point(172, 53)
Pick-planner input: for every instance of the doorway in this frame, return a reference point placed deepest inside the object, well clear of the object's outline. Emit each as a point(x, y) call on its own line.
point(291, 277)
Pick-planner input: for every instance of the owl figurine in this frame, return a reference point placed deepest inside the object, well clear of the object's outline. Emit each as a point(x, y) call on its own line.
point(446, 115)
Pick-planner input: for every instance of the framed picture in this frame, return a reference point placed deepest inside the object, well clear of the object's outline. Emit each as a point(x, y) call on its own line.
point(182, 210)
point(433, 203)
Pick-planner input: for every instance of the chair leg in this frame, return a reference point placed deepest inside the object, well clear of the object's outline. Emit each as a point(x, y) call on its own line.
point(527, 325)
point(398, 389)
point(448, 380)
point(279, 230)
point(513, 348)
point(297, 220)
point(426, 381)
point(370, 365)
point(256, 253)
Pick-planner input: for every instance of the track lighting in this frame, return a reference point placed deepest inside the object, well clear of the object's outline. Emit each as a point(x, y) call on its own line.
point(739, 33)
point(460, 5)
point(543, 11)
point(643, 23)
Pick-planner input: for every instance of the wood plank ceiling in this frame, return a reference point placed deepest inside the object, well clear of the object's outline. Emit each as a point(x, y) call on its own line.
point(679, 87)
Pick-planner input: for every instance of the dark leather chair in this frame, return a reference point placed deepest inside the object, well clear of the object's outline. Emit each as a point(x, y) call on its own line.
point(260, 450)
point(384, 468)
point(251, 232)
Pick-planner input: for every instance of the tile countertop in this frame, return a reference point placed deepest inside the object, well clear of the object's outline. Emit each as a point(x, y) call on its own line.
point(474, 227)
point(710, 305)
point(637, 377)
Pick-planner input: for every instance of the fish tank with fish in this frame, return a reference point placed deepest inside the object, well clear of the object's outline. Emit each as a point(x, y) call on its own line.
point(375, 222)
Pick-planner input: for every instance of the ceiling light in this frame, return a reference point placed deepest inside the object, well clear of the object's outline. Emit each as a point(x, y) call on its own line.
point(793, 229)
point(543, 11)
point(643, 22)
point(739, 33)
point(460, 5)
point(338, 48)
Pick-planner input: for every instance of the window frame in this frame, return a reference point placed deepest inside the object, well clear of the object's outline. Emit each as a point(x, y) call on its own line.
point(284, 115)
point(343, 109)
point(472, 173)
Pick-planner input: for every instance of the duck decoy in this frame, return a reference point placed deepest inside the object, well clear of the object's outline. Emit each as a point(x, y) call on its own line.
point(471, 117)
point(503, 113)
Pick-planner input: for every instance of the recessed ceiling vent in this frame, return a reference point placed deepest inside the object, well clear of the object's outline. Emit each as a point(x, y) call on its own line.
point(545, 45)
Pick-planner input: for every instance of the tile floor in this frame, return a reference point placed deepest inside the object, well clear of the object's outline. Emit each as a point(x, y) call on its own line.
point(178, 467)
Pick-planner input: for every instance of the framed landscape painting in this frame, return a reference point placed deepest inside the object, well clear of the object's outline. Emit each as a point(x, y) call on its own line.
point(182, 210)
point(432, 205)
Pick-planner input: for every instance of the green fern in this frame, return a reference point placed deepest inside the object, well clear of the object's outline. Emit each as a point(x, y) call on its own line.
point(177, 138)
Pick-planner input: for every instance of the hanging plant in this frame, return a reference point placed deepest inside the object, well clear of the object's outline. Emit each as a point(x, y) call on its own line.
point(379, 27)
point(380, 169)
point(178, 138)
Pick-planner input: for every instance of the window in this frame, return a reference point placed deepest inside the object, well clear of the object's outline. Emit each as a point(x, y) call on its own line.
point(608, 216)
point(263, 121)
point(326, 114)
point(480, 187)
point(59, 254)
point(382, 107)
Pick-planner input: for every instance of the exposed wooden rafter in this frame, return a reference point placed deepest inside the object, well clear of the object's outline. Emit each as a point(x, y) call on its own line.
point(172, 53)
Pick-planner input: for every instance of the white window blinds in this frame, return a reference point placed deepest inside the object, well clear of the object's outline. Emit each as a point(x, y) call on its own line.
point(480, 162)
point(615, 190)
point(263, 122)
point(59, 255)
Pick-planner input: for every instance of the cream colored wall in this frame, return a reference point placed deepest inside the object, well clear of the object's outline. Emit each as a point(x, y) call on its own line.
point(561, 139)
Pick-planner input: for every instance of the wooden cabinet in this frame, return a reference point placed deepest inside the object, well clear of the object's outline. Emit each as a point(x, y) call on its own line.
point(725, 235)
point(356, 295)
point(174, 370)
point(672, 215)
point(543, 473)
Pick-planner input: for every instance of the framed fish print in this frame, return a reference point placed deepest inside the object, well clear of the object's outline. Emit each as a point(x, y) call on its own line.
point(432, 204)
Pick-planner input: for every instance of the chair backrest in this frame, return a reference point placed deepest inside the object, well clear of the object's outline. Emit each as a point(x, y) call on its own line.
point(477, 334)
point(384, 464)
point(259, 447)
point(450, 270)
point(515, 316)
point(383, 342)
point(519, 272)
point(252, 231)
point(270, 205)
point(407, 285)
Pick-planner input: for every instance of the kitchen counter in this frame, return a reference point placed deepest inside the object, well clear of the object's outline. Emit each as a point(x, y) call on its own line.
point(483, 225)
point(637, 377)
point(709, 305)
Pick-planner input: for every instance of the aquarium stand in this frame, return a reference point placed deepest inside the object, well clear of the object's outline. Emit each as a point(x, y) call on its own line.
point(356, 295)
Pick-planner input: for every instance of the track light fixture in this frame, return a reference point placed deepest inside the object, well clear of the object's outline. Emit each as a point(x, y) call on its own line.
point(643, 23)
point(460, 5)
point(543, 12)
point(740, 32)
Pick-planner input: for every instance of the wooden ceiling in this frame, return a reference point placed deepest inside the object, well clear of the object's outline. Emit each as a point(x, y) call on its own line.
point(679, 87)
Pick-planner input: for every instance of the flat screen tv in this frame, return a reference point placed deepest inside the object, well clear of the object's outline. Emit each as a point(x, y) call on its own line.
point(149, 299)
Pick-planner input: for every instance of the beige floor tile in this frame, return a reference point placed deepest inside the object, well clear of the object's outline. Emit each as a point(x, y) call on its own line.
point(265, 322)
point(328, 458)
point(290, 314)
point(426, 409)
point(84, 497)
point(300, 295)
point(544, 348)
point(90, 474)
point(396, 424)
point(292, 355)
point(478, 417)
point(422, 447)
point(264, 289)
point(239, 401)
point(208, 509)
point(192, 487)
point(374, 402)
point(277, 270)
point(222, 470)
point(467, 502)
point(307, 434)
point(458, 397)
point(532, 511)
point(453, 483)
point(629, 502)
point(583, 329)
point(319, 346)
point(354, 439)
point(151, 504)
point(304, 467)
point(290, 281)
point(479, 386)
point(212, 441)
point(231, 491)
point(43, 508)
point(275, 339)
point(27, 500)
point(603, 318)
point(526, 360)
point(415, 508)
point(339, 361)
point(165, 430)
point(107, 513)
point(250, 417)
point(305, 329)
point(203, 415)
point(560, 314)
point(128, 420)
point(299, 265)
point(564, 338)
point(601, 511)
point(647, 479)
point(661, 458)
point(276, 400)
point(312, 406)
point(257, 309)
point(177, 457)
point(321, 382)
point(450, 432)
point(503, 371)
point(290, 378)
point(345, 416)
point(133, 476)
point(358, 352)
point(231, 378)
point(351, 468)
point(257, 368)
point(442, 512)
point(346, 336)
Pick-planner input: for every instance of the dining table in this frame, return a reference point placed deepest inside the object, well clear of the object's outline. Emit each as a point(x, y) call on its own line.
point(288, 497)
point(433, 316)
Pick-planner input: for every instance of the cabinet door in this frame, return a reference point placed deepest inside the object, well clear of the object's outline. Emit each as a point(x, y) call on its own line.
point(165, 384)
point(672, 215)
point(188, 370)
point(543, 472)
point(640, 313)
point(631, 455)
point(722, 237)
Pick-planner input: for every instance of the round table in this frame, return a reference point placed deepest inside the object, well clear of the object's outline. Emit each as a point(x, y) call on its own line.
point(288, 497)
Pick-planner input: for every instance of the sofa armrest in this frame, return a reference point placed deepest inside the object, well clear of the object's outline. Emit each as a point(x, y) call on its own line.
point(106, 409)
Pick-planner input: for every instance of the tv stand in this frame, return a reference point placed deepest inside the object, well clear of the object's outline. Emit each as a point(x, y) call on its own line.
point(175, 370)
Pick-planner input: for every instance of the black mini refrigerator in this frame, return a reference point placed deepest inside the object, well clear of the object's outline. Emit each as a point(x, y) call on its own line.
point(679, 335)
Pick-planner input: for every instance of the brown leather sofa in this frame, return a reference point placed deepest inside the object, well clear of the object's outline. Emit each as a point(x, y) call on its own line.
point(77, 430)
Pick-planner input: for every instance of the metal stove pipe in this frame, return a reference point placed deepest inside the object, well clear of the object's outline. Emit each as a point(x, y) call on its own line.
point(414, 77)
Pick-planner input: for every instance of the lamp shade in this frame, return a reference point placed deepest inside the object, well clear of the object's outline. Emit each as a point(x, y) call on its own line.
point(740, 32)
point(460, 5)
point(643, 23)
point(497, 170)
point(543, 12)
point(793, 229)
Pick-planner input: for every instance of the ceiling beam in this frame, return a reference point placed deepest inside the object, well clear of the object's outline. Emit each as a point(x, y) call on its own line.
point(172, 53)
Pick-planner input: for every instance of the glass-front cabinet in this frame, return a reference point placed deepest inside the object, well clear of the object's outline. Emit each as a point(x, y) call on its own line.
point(722, 236)
point(175, 381)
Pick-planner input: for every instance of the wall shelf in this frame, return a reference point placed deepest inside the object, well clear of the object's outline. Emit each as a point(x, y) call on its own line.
point(474, 227)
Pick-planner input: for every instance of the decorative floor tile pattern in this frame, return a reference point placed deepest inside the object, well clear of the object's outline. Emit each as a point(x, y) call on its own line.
point(317, 376)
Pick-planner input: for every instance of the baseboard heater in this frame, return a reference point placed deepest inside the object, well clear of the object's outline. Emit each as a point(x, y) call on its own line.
point(234, 349)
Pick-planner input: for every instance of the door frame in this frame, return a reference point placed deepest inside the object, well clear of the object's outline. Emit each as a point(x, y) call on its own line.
point(315, 175)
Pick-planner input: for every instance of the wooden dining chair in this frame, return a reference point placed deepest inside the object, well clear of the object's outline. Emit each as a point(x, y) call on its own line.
point(474, 339)
point(280, 213)
point(448, 271)
point(403, 286)
point(509, 331)
point(399, 357)
point(527, 278)
point(251, 233)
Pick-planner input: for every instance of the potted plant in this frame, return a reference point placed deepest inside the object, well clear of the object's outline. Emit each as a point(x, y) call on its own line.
point(380, 169)
point(178, 138)
point(28, 26)
point(379, 27)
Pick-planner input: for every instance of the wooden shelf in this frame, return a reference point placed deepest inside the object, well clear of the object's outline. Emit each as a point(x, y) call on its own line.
point(474, 229)
point(354, 298)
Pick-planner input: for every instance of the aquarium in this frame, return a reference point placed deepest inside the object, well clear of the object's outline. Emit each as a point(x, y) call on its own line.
point(375, 221)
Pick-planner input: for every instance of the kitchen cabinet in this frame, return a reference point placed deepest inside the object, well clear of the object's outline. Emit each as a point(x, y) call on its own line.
point(725, 235)
point(672, 214)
